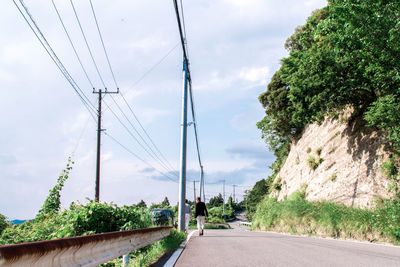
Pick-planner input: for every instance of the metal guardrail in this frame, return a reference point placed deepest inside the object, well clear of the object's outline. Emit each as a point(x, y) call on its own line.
point(90, 250)
point(245, 223)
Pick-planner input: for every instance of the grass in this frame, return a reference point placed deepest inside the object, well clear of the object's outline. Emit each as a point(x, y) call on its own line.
point(313, 163)
point(333, 177)
point(212, 226)
point(299, 216)
point(148, 255)
point(278, 184)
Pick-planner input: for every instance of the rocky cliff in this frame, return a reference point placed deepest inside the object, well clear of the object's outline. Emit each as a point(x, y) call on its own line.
point(337, 161)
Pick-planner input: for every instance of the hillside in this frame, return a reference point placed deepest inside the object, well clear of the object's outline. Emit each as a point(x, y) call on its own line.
point(337, 162)
point(332, 110)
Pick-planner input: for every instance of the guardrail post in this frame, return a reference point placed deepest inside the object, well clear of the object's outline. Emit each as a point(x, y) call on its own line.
point(125, 260)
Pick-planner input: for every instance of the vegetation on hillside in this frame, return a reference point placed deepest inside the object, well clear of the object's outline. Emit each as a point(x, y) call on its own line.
point(3, 223)
point(254, 196)
point(299, 216)
point(346, 55)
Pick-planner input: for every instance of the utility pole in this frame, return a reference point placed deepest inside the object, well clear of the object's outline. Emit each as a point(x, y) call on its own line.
point(182, 173)
point(223, 197)
point(202, 185)
point(194, 191)
point(234, 199)
point(99, 130)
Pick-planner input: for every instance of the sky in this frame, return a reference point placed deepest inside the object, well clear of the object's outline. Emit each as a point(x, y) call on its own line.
point(235, 46)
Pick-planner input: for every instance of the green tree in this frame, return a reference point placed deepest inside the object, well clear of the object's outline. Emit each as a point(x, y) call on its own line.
point(254, 196)
point(3, 223)
point(216, 201)
point(165, 202)
point(230, 202)
point(346, 55)
point(385, 115)
point(141, 204)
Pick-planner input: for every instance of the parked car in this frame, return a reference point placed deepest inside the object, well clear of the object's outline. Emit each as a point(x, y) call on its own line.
point(162, 216)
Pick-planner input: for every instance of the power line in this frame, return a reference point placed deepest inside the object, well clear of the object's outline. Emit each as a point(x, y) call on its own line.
point(72, 44)
point(43, 41)
point(155, 65)
point(80, 137)
point(144, 130)
point(135, 155)
point(131, 108)
point(111, 70)
point(87, 44)
point(141, 137)
point(184, 28)
point(195, 124)
point(131, 134)
point(182, 37)
point(102, 43)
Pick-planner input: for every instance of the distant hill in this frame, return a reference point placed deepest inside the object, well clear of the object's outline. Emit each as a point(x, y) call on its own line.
point(18, 221)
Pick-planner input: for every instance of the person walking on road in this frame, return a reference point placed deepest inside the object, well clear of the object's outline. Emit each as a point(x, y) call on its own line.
point(200, 214)
point(188, 215)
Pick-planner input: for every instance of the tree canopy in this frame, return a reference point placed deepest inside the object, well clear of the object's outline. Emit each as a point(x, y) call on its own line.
point(216, 201)
point(347, 54)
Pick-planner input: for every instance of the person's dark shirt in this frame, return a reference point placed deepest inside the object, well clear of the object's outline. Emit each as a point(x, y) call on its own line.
point(200, 209)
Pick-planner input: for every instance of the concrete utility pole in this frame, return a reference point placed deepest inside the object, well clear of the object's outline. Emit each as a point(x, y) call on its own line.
point(194, 191)
point(99, 130)
point(234, 199)
point(182, 173)
point(202, 185)
point(223, 197)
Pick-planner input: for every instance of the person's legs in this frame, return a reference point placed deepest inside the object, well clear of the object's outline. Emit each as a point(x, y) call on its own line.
point(187, 219)
point(199, 218)
point(202, 224)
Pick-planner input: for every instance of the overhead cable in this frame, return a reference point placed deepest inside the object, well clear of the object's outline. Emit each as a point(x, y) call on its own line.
point(144, 130)
point(182, 37)
point(87, 44)
point(43, 41)
point(138, 157)
point(131, 134)
point(141, 137)
point(102, 43)
point(72, 44)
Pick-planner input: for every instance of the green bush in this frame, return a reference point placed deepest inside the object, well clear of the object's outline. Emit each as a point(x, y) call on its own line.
point(3, 223)
point(217, 215)
point(90, 218)
point(313, 163)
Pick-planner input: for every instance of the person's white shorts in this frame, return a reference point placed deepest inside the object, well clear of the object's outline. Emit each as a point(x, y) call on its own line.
point(200, 222)
point(187, 219)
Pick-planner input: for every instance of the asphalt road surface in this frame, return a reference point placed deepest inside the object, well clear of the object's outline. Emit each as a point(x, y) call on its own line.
point(239, 247)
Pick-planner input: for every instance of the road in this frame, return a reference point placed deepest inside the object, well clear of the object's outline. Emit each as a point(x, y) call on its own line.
point(239, 247)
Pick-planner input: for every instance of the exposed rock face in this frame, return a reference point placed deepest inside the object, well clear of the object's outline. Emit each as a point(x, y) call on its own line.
point(336, 162)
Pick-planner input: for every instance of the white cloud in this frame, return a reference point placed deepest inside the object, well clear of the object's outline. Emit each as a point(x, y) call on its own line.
point(258, 76)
